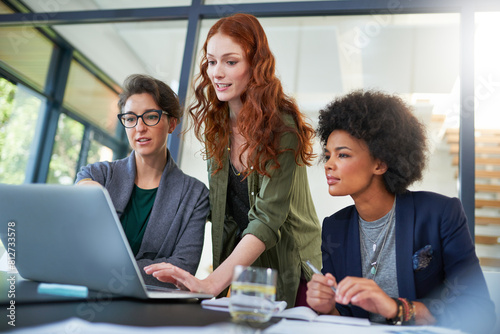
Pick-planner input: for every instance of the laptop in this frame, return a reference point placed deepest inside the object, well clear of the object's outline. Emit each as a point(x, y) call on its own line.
point(72, 235)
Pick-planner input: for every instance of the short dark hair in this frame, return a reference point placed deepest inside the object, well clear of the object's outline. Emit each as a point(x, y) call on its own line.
point(389, 128)
point(163, 95)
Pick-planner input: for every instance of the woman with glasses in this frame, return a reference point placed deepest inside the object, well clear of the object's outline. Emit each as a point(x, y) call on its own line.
point(162, 210)
point(258, 144)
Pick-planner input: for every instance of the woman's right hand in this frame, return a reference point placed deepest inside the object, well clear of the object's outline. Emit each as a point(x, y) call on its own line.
point(320, 295)
point(166, 272)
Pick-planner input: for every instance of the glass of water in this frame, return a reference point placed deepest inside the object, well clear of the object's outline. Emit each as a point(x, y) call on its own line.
point(253, 292)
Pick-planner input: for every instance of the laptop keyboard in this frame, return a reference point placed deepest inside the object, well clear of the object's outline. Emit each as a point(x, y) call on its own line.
point(160, 288)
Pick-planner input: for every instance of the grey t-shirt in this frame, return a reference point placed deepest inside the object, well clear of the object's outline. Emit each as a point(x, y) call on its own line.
point(384, 254)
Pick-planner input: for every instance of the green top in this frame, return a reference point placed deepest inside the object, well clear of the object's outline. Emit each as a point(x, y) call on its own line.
point(282, 215)
point(136, 215)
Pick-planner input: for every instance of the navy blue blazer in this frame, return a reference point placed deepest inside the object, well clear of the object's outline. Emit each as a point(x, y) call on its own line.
point(451, 285)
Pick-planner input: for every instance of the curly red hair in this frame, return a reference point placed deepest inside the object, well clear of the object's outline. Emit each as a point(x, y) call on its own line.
point(260, 120)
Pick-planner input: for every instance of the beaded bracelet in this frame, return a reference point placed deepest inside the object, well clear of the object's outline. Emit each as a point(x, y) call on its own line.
point(413, 313)
point(399, 317)
point(406, 312)
point(406, 308)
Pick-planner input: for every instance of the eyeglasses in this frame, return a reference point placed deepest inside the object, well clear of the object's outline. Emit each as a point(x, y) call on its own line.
point(150, 118)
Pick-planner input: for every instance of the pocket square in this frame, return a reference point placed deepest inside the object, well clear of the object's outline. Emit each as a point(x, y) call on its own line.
point(422, 258)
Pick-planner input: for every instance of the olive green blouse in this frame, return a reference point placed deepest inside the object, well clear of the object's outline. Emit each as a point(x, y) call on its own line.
point(282, 216)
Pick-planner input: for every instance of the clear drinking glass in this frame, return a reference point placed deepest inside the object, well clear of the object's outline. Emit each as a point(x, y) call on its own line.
point(253, 292)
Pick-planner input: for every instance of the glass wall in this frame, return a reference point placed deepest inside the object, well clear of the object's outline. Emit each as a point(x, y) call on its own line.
point(65, 5)
point(234, 2)
point(63, 163)
point(98, 151)
point(154, 48)
point(26, 52)
point(487, 137)
point(319, 58)
point(20, 108)
point(4, 9)
point(90, 98)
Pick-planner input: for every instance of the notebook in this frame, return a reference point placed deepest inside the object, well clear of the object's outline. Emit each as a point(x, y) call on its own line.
point(72, 235)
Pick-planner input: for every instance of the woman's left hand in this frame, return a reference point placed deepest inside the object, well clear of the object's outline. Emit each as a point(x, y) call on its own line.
point(365, 293)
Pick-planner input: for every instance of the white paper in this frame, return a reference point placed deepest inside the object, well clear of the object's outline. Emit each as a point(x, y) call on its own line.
point(298, 313)
point(222, 304)
point(217, 304)
point(306, 313)
point(337, 319)
point(287, 326)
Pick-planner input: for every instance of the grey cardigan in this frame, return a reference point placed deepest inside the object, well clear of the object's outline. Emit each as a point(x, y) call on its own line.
point(176, 227)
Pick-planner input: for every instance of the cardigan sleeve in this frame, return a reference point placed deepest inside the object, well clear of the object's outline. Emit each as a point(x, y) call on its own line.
point(99, 172)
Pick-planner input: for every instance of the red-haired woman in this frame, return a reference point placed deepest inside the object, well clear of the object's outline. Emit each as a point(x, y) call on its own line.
point(258, 145)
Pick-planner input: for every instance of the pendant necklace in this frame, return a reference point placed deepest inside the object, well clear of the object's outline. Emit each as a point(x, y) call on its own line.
point(231, 164)
point(374, 264)
point(229, 157)
point(374, 243)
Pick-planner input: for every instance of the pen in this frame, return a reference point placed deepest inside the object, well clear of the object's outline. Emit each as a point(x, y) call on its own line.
point(316, 271)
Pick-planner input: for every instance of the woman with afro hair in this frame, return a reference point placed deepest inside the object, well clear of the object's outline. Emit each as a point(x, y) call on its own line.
point(258, 145)
point(395, 256)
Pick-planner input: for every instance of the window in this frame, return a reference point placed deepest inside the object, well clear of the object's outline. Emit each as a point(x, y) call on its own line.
point(97, 151)
point(487, 138)
point(61, 6)
point(25, 51)
point(4, 9)
point(90, 98)
point(154, 48)
point(319, 58)
point(19, 111)
point(66, 151)
point(228, 2)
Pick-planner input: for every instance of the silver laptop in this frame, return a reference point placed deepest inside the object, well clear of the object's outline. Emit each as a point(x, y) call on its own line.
point(72, 235)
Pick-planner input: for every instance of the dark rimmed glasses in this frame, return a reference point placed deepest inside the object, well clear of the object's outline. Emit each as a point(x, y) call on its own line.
point(150, 118)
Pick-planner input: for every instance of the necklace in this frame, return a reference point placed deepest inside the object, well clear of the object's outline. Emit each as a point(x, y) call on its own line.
point(374, 243)
point(375, 264)
point(231, 164)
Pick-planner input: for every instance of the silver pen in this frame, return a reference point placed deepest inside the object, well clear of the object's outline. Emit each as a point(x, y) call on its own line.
point(316, 271)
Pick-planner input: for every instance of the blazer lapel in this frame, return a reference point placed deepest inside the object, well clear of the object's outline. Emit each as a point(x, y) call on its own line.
point(405, 225)
point(353, 248)
point(353, 267)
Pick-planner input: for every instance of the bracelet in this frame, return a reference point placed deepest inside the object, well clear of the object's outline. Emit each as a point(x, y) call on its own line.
point(413, 314)
point(406, 309)
point(399, 318)
point(409, 311)
point(406, 313)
